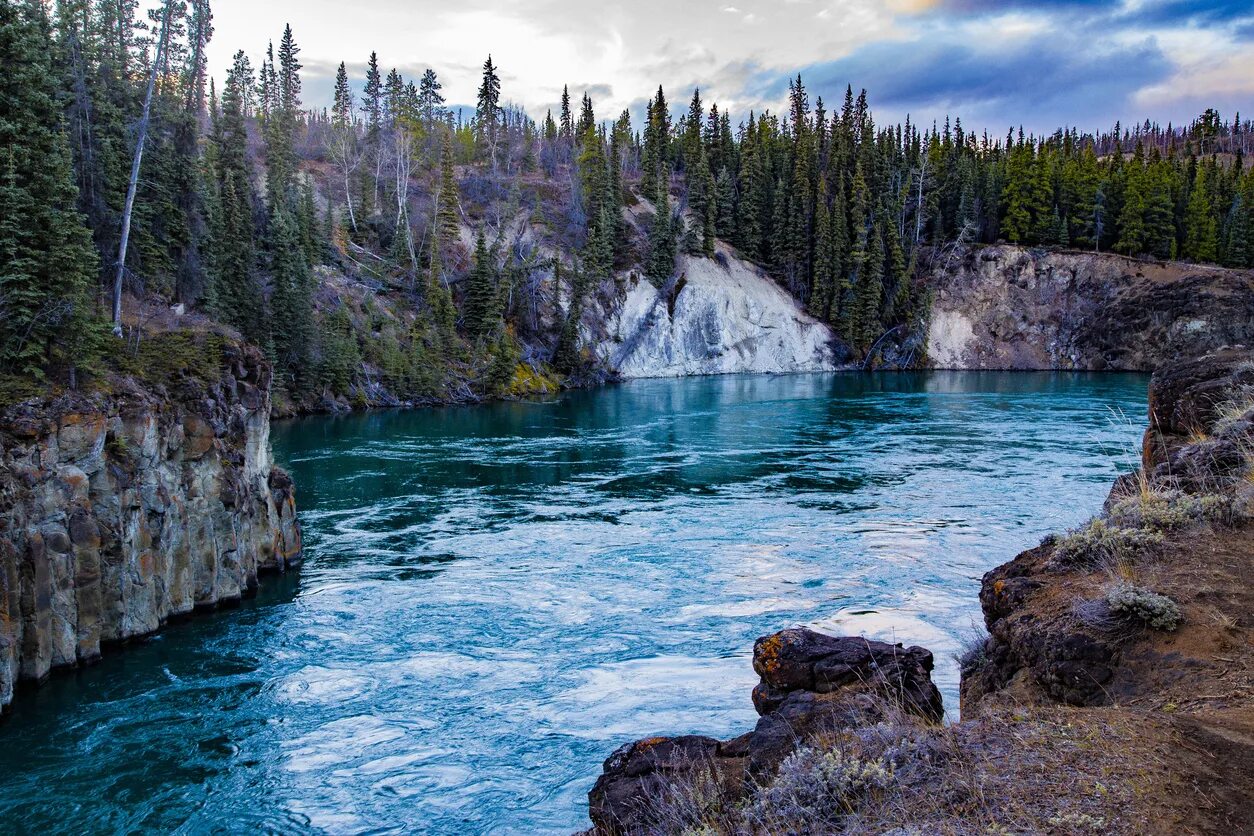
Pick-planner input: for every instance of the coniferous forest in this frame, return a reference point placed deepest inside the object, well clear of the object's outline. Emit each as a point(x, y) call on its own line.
point(392, 241)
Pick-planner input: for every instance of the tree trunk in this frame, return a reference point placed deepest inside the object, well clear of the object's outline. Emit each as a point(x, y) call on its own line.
point(133, 186)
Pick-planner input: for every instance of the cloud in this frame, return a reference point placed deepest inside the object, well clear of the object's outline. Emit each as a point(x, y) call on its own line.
point(994, 62)
point(998, 6)
point(1041, 82)
point(1176, 12)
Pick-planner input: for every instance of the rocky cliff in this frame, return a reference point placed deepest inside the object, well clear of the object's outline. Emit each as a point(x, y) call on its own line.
point(1114, 693)
point(119, 513)
point(719, 316)
point(1006, 307)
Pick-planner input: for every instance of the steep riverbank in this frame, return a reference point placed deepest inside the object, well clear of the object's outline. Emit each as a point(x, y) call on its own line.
point(119, 512)
point(1113, 694)
point(1008, 307)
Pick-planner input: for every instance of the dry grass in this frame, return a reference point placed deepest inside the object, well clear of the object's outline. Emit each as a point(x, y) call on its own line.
point(1237, 408)
point(1013, 771)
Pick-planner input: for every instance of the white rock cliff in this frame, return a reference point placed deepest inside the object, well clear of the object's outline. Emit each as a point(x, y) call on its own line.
point(722, 316)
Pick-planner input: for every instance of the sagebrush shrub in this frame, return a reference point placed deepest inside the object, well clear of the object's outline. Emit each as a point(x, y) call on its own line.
point(820, 786)
point(1158, 612)
point(1101, 540)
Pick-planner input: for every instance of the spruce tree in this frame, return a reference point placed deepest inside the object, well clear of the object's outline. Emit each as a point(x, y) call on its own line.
point(661, 263)
point(823, 280)
point(488, 112)
point(1201, 229)
point(233, 265)
point(430, 100)
point(481, 314)
point(448, 213)
point(46, 259)
point(871, 291)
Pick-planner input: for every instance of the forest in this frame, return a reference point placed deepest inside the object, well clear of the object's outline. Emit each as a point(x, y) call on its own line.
point(390, 241)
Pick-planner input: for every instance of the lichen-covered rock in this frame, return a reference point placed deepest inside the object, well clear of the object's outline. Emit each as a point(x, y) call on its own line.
point(810, 684)
point(1008, 307)
point(117, 514)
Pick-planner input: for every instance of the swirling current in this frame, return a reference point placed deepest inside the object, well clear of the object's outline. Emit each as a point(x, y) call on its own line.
point(497, 597)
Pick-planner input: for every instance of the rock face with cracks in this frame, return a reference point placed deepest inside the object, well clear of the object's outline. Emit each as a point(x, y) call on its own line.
point(810, 683)
point(118, 514)
point(1007, 307)
point(719, 316)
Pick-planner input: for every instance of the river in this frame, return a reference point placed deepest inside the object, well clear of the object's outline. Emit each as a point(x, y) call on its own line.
point(497, 597)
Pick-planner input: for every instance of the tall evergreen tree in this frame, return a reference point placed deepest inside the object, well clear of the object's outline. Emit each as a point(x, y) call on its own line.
point(488, 111)
point(46, 258)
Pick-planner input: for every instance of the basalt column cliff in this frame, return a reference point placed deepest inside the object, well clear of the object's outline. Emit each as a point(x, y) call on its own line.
point(118, 513)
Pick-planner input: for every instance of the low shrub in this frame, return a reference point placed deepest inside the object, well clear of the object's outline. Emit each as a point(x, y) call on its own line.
point(1135, 603)
point(1102, 540)
point(1172, 511)
point(821, 786)
point(1157, 511)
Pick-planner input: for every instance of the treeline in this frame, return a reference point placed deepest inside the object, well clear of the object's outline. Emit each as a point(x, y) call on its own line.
point(481, 240)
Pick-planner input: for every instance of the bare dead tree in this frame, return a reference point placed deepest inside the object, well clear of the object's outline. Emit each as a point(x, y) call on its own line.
point(133, 186)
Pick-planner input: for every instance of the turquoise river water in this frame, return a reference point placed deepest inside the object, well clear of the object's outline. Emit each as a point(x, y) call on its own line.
point(496, 597)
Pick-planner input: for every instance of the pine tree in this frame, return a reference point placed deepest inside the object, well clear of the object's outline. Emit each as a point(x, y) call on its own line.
point(46, 258)
point(481, 308)
point(488, 111)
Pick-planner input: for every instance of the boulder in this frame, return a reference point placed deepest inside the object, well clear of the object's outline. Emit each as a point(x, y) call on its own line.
point(810, 684)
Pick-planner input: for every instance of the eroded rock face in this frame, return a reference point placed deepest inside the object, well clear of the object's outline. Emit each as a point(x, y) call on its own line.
point(1008, 307)
point(1043, 646)
point(810, 684)
point(722, 316)
point(116, 515)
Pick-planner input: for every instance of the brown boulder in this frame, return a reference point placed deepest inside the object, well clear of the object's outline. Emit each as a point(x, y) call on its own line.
point(810, 684)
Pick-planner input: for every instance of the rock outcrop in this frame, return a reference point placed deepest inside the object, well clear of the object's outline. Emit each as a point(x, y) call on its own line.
point(1182, 518)
point(120, 513)
point(810, 684)
point(720, 316)
point(1114, 694)
point(1006, 307)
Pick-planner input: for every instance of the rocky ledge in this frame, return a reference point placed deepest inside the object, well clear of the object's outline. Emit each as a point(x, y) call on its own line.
point(119, 513)
point(1113, 694)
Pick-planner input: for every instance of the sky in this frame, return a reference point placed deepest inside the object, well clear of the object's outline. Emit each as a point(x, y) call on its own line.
point(1042, 65)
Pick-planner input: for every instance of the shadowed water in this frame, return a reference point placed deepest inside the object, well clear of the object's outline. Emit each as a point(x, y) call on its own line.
point(495, 598)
